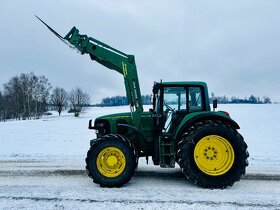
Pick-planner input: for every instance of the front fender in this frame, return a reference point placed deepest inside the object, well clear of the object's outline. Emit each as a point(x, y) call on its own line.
point(195, 117)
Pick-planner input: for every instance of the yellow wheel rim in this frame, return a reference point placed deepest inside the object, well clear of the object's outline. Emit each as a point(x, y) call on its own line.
point(111, 162)
point(214, 155)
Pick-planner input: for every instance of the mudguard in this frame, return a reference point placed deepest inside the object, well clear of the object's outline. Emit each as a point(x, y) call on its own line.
point(194, 117)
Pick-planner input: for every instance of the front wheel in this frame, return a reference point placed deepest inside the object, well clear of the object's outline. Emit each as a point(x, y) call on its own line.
point(111, 161)
point(212, 154)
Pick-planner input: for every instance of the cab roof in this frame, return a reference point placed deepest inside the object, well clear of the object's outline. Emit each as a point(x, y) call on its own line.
point(182, 83)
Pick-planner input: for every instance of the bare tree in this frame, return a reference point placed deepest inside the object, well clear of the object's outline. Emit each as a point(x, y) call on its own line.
point(78, 99)
point(59, 99)
point(26, 96)
point(41, 95)
point(253, 99)
point(266, 100)
point(13, 94)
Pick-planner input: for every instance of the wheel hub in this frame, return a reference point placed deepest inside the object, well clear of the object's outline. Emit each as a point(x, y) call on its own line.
point(214, 155)
point(111, 162)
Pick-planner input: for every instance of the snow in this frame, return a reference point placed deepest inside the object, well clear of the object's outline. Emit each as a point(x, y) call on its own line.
point(260, 128)
point(42, 167)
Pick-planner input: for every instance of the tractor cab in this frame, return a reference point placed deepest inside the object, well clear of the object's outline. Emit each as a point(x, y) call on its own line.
point(173, 101)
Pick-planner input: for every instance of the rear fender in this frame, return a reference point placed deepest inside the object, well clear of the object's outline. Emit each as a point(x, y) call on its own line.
point(195, 117)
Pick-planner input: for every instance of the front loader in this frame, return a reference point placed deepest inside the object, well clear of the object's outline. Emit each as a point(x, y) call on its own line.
point(180, 128)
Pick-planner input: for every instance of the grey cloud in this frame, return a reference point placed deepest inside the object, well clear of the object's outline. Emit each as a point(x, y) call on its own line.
point(232, 45)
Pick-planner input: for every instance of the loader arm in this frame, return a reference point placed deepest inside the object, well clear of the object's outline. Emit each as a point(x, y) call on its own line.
point(112, 59)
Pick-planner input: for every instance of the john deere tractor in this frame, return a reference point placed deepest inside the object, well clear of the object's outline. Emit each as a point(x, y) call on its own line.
point(180, 128)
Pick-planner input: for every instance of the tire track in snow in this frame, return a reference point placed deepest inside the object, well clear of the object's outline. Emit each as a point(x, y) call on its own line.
point(188, 202)
point(176, 174)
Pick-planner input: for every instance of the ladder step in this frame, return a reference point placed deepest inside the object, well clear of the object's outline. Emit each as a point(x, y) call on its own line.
point(167, 153)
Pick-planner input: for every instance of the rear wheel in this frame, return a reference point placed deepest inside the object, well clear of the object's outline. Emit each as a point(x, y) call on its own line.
point(212, 154)
point(111, 161)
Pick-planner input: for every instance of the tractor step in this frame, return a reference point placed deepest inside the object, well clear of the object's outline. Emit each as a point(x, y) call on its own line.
point(167, 154)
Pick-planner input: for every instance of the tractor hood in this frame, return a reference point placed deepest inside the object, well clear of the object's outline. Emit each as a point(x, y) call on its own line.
point(122, 115)
point(109, 123)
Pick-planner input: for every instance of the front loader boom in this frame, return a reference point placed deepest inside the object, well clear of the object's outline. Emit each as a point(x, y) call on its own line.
point(112, 59)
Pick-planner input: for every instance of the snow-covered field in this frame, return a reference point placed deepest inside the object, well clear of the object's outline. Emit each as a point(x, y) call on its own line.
point(42, 167)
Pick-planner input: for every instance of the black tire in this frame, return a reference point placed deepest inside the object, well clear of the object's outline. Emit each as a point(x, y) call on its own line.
point(120, 143)
point(186, 154)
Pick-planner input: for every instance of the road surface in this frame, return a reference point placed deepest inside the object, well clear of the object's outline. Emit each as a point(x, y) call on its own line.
point(39, 185)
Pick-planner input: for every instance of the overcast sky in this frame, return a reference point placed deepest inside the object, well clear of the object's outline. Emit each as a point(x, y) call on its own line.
point(234, 46)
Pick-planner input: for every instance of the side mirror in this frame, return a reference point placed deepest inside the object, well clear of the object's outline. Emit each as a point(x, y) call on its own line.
point(215, 104)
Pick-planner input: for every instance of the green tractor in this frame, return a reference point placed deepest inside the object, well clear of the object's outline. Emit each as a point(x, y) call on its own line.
point(180, 128)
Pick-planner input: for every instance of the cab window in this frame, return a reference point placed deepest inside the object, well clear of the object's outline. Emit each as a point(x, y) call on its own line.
point(174, 98)
point(195, 99)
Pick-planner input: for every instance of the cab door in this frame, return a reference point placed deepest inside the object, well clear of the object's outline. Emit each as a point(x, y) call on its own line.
point(178, 101)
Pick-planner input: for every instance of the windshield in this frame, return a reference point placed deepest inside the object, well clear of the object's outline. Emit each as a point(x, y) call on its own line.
point(175, 97)
point(178, 101)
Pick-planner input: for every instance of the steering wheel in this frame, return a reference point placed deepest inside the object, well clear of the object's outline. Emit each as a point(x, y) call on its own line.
point(168, 108)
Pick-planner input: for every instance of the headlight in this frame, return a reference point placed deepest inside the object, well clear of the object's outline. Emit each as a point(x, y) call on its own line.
point(102, 127)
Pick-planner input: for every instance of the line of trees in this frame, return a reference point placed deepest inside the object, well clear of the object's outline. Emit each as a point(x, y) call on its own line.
point(236, 100)
point(29, 96)
point(146, 99)
point(122, 100)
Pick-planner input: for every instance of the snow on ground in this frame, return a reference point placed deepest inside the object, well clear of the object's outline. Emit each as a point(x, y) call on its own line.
point(260, 128)
point(66, 138)
point(35, 154)
point(79, 192)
